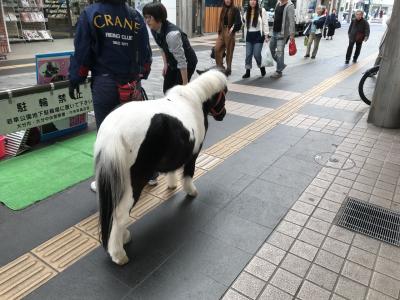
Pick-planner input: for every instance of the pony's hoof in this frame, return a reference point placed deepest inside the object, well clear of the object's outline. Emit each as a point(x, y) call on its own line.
point(172, 187)
point(193, 193)
point(127, 236)
point(120, 260)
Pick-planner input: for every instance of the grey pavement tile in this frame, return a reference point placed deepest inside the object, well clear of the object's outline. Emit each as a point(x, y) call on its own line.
point(280, 240)
point(362, 257)
point(237, 232)
point(88, 281)
point(309, 199)
point(382, 193)
point(366, 180)
point(334, 196)
point(359, 195)
point(248, 285)
point(169, 283)
point(366, 243)
point(321, 183)
point(211, 257)
point(272, 292)
point(380, 202)
point(286, 177)
point(388, 267)
point(350, 289)
point(318, 225)
point(329, 261)
point(295, 265)
point(260, 268)
point(329, 205)
point(331, 113)
point(356, 272)
point(386, 186)
point(310, 291)
point(343, 181)
point(311, 237)
point(322, 277)
point(220, 130)
point(341, 234)
point(298, 165)
point(271, 253)
point(221, 185)
point(289, 228)
point(337, 247)
point(337, 297)
point(254, 209)
point(385, 284)
point(233, 295)
point(390, 252)
point(272, 192)
point(375, 295)
point(315, 190)
point(304, 250)
point(339, 188)
point(296, 217)
point(255, 100)
point(286, 281)
point(303, 207)
point(324, 215)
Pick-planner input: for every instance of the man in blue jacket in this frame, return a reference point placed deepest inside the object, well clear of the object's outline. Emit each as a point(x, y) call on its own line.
point(112, 42)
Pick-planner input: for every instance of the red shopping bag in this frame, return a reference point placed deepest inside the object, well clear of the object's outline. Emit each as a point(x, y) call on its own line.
point(292, 48)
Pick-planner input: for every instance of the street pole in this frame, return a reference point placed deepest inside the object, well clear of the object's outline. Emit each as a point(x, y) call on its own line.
point(385, 107)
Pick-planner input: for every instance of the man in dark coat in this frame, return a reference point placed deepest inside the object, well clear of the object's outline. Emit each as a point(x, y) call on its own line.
point(358, 33)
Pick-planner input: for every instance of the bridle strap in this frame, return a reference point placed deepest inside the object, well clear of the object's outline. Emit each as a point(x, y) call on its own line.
point(212, 110)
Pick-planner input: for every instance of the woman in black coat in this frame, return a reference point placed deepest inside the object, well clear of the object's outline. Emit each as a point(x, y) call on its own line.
point(331, 21)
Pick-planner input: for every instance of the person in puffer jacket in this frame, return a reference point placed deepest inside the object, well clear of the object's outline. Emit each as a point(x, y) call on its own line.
point(112, 42)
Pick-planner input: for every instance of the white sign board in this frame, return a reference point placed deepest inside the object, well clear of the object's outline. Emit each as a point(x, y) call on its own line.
point(23, 112)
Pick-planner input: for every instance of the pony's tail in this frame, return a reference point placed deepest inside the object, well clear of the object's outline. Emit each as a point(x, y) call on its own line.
point(110, 183)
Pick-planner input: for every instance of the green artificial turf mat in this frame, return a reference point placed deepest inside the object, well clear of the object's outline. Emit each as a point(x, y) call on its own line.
point(39, 174)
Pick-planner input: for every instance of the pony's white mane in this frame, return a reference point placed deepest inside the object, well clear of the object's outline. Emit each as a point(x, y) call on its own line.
point(201, 88)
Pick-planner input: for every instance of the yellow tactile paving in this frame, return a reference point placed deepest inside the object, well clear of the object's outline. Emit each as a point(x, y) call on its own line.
point(66, 248)
point(28, 272)
point(90, 226)
point(207, 162)
point(23, 275)
point(146, 203)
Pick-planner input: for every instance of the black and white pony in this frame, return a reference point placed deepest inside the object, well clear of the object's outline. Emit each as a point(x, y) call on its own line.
point(139, 138)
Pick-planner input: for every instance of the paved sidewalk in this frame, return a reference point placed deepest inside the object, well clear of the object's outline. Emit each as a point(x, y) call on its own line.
point(262, 226)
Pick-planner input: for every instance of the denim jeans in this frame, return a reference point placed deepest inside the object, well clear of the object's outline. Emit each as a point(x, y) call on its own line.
point(253, 49)
point(277, 47)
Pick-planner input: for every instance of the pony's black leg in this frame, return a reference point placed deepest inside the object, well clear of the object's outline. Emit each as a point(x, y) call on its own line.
point(188, 172)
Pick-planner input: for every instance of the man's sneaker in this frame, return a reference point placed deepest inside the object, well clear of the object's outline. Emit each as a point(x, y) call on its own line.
point(93, 186)
point(276, 75)
point(346, 62)
point(354, 60)
point(153, 180)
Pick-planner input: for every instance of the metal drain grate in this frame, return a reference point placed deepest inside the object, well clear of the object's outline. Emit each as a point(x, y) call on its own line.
point(371, 220)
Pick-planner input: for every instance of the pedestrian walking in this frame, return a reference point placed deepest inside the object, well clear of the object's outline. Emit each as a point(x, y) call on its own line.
point(358, 33)
point(257, 30)
point(331, 22)
point(179, 58)
point(112, 42)
point(229, 23)
point(315, 36)
point(283, 29)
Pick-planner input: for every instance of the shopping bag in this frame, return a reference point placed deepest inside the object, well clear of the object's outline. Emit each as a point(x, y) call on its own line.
point(292, 48)
point(266, 56)
point(305, 40)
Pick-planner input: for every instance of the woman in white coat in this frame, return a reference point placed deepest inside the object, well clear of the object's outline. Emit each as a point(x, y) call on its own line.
point(256, 25)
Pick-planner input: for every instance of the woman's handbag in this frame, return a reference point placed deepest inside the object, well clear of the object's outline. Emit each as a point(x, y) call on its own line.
point(337, 24)
point(306, 40)
point(292, 48)
point(266, 56)
point(212, 54)
point(130, 91)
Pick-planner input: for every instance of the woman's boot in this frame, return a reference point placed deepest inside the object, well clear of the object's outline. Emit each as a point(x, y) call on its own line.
point(262, 69)
point(247, 74)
